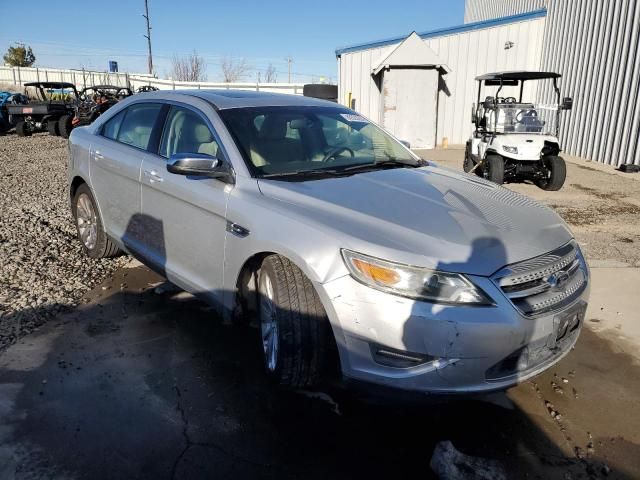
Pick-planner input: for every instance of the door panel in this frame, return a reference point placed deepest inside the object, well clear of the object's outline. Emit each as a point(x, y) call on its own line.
point(184, 216)
point(115, 178)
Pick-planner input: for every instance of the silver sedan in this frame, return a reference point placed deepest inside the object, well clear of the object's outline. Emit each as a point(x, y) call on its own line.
point(348, 248)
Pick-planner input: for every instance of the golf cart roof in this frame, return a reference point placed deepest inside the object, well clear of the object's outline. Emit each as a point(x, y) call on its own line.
point(517, 75)
point(105, 87)
point(57, 85)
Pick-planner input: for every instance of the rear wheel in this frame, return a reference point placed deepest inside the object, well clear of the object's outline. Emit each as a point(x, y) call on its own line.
point(52, 127)
point(493, 169)
point(23, 129)
point(95, 242)
point(555, 173)
point(65, 125)
point(293, 324)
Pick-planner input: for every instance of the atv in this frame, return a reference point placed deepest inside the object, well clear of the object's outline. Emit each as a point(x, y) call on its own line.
point(516, 141)
point(6, 99)
point(52, 112)
point(96, 100)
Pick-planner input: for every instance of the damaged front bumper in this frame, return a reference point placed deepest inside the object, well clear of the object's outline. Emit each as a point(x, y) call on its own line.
point(415, 345)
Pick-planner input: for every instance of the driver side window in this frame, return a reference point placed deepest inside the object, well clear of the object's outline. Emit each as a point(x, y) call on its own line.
point(186, 132)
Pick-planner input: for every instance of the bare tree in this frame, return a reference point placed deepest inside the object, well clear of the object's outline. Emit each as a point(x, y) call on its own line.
point(234, 70)
point(270, 75)
point(190, 68)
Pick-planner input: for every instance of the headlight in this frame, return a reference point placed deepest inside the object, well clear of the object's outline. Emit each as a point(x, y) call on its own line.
point(414, 282)
point(513, 150)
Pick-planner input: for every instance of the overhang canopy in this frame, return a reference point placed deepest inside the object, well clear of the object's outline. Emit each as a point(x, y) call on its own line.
point(411, 52)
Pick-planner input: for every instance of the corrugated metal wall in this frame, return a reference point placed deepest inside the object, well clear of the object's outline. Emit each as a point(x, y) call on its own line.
point(468, 54)
point(479, 10)
point(595, 46)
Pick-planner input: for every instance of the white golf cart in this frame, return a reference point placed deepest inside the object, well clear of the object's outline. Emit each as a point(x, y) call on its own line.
point(516, 141)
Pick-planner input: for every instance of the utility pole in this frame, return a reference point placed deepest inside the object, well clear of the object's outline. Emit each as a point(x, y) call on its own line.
point(148, 35)
point(289, 61)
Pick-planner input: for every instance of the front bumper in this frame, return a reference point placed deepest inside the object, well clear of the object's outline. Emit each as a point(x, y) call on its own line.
point(466, 349)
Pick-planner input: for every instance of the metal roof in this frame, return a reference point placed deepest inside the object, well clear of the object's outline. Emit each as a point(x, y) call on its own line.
point(518, 75)
point(50, 85)
point(447, 31)
point(223, 99)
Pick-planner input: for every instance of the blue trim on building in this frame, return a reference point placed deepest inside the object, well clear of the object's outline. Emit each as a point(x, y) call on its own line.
point(468, 27)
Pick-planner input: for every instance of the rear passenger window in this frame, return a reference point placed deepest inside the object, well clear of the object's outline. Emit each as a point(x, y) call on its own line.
point(138, 123)
point(112, 126)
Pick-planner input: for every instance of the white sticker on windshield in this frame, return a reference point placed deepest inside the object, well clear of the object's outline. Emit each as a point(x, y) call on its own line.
point(350, 117)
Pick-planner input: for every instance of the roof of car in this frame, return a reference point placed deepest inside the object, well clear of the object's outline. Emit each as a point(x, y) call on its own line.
point(104, 87)
point(224, 99)
point(518, 75)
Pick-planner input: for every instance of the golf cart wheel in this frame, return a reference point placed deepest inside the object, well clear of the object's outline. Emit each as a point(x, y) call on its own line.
point(94, 240)
point(52, 127)
point(468, 163)
point(65, 126)
point(292, 324)
point(493, 169)
point(23, 129)
point(556, 172)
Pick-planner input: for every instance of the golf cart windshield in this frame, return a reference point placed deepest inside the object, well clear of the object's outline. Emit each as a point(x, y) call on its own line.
point(521, 118)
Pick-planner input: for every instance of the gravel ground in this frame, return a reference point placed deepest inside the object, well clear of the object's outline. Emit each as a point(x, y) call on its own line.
point(42, 268)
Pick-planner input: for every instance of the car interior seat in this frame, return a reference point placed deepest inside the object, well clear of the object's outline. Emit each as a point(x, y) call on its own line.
point(271, 144)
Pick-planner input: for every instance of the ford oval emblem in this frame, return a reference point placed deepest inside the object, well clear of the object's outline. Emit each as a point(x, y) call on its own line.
point(557, 279)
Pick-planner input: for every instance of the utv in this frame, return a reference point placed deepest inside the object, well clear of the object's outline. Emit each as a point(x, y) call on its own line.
point(96, 100)
point(52, 112)
point(6, 99)
point(515, 140)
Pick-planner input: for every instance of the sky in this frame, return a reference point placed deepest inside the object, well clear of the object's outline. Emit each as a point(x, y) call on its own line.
point(89, 34)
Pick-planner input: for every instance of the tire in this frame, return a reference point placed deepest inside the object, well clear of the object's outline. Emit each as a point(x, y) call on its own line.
point(23, 129)
point(556, 171)
point(4, 126)
point(493, 169)
point(52, 127)
point(292, 316)
point(96, 243)
point(468, 163)
point(65, 126)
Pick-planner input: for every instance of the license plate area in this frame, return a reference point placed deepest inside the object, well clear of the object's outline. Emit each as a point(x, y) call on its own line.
point(568, 322)
point(27, 110)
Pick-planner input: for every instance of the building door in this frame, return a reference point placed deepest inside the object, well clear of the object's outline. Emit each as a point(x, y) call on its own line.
point(410, 106)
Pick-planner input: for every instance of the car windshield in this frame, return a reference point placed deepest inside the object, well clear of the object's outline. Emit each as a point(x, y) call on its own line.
point(279, 141)
point(522, 118)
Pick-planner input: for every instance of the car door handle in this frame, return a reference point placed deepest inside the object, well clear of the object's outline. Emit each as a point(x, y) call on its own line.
point(153, 176)
point(97, 155)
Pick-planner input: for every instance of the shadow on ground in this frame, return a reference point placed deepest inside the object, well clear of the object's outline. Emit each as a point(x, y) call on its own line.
point(140, 385)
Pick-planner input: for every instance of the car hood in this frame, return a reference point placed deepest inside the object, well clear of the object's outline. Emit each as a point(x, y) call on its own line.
point(431, 216)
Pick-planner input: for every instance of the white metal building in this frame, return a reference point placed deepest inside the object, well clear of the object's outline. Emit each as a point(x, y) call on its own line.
point(595, 45)
point(461, 53)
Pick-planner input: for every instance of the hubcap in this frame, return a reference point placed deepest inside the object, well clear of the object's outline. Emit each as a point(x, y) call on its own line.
point(86, 220)
point(268, 323)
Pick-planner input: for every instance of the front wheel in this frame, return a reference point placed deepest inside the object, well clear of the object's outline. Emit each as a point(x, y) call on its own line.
point(65, 125)
point(52, 127)
point(95, 242)
point(23, 129)
point(555, 171)
point(493, 169)
point(293, 324)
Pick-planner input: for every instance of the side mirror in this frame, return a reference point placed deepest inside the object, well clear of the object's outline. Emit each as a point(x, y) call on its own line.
point(567, 103)
point(199, 165)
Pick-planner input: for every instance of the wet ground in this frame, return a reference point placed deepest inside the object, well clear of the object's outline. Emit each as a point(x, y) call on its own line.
point(139, 385)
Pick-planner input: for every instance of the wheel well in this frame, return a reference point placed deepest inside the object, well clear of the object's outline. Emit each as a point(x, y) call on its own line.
point(246, 302)
point(75, 183)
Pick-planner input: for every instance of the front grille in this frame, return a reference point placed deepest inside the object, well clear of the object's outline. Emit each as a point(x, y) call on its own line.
point(544, 283)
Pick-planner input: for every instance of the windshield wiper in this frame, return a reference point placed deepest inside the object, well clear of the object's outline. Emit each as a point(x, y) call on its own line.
point(303, 173)
point(390, 162)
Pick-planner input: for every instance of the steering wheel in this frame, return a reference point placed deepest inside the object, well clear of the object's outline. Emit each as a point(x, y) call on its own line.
point(525, 113)
point(331, 154)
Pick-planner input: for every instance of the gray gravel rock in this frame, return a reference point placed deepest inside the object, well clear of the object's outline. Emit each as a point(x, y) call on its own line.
point(42, 268)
